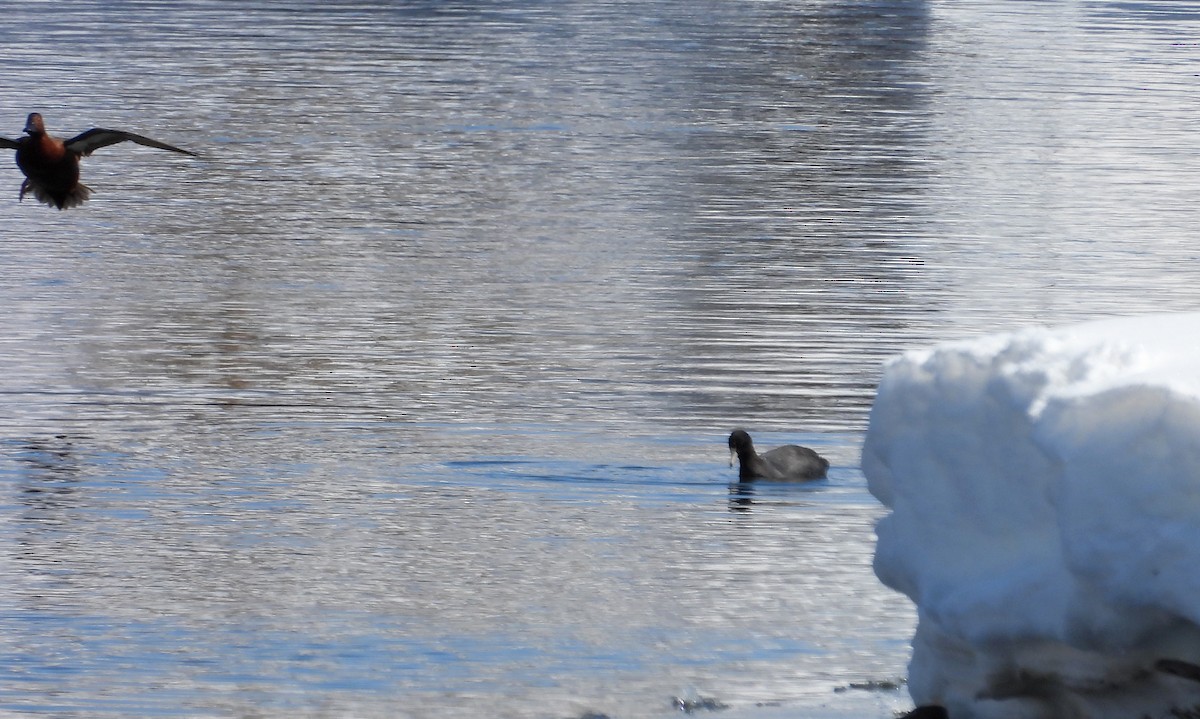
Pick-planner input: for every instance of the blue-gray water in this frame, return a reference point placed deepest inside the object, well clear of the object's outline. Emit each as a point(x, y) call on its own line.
point(409, 397)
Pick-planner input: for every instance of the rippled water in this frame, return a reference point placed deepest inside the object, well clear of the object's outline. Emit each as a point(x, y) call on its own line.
point(409, 396)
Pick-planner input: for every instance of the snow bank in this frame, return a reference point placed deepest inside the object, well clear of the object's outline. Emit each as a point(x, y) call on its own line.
point(1044, 489)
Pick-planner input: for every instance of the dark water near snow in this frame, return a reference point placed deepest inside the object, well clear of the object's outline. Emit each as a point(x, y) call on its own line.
point(409, 397)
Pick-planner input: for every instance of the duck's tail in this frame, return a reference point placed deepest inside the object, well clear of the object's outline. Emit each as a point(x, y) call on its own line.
point(63, 199)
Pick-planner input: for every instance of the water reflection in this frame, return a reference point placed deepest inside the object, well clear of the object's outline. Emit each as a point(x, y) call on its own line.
point(46, 498)
point(741, 496)
point(498, 165)
point(49, 460)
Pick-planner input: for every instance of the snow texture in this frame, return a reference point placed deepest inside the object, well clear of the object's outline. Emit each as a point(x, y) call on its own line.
point(1044, 489)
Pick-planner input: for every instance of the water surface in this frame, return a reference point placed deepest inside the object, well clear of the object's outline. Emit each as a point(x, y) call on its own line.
point(409, 397)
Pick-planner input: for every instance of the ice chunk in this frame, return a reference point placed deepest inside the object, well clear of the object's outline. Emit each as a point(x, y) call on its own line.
point(1044, 489)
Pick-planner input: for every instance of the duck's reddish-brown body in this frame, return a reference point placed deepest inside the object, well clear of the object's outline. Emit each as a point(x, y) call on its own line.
point(51, 165)
point(51, 171)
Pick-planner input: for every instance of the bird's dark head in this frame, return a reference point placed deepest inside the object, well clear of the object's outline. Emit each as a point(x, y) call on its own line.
point(740, 445)
point(34, 124)
point(738, 439)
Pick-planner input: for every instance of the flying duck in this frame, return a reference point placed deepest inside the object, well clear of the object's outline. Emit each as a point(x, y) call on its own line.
point(51, 165)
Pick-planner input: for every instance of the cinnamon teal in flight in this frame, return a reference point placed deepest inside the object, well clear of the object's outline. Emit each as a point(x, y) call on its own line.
point(51, 165)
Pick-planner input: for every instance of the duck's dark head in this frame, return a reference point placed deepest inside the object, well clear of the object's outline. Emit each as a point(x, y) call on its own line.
point(34, 124)
point(739, 444)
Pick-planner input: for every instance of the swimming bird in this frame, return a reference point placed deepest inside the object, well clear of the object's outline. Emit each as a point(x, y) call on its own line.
point(51, 165)
point(788, 463)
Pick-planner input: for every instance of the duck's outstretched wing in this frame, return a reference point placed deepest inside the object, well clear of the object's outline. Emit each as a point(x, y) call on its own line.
point(9, 144)
point(86, 142)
